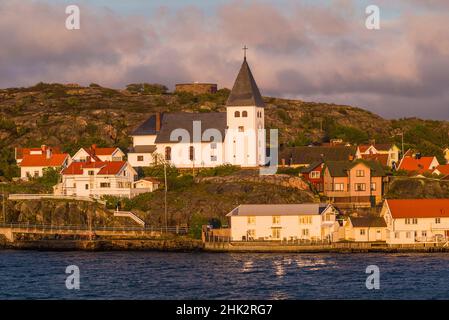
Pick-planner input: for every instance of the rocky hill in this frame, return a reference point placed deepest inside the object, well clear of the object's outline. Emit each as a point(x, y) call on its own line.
point(72, 116)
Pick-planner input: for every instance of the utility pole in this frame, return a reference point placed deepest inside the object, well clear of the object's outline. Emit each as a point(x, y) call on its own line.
point(165, 195)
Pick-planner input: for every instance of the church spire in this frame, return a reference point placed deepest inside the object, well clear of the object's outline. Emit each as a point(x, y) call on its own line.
point(245, 91)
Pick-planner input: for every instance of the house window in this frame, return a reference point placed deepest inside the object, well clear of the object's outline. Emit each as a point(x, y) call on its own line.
point(315, 175)
point(241, 129)
point(244, 114)
point(139, 158)
point(105, 185)
point(276, 233)
point(360, 186)
point(407, 221)
point(424, 234)
point(191, 153)
point(305, 232)
point(237, 114)
point(414, 221)
point(91, 172)
point(397, 234)
point(276, 219)
point(36, 173)
point(362, 232)
point(339, 187)
point(167, 153)
point(360, 173)
point(373, 186)
point(408, 234)
point(86, 186)
point(124, 173)
point(437, 220)
point(213, 158)
point(251, 220)
point(305, 220)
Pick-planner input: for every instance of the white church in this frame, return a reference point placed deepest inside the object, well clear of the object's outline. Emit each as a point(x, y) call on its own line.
point(195, 140)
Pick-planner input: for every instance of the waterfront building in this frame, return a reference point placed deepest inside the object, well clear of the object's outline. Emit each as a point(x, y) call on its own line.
point(96, 179)
point(416, 220)
point(189, 140)
point(307, 155)
point(308, 221)
point(365, 229)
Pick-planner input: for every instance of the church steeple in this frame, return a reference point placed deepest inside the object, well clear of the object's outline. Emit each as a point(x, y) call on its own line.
point(245, 91)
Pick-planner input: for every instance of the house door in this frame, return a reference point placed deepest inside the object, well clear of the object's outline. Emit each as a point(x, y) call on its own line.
point(378, 235)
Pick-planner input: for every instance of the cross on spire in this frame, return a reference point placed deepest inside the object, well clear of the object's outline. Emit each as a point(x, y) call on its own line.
point(244, 51)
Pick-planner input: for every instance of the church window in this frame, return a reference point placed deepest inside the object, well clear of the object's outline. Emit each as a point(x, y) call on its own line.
point(237, 114)
point(167, 153)
point(191, 153)
point(244, 114)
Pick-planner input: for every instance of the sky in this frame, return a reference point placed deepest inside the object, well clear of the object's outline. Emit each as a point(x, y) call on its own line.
point(310, 50)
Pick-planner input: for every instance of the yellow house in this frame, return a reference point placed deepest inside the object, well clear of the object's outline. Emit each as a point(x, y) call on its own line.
point(308, 221)
point(365, 229)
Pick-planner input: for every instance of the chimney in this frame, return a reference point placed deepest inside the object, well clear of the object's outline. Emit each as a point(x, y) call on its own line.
point(158, 121)
point(351, 157)
point(94, 146)
point(48, 153)
point(43, 148)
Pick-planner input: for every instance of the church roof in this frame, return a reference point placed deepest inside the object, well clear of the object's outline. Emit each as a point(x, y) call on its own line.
point(245, 91)
point(148, 127)
point(173, 121)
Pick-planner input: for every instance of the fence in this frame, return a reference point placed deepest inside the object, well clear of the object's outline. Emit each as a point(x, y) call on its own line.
point(20, 196)
point(44, 227)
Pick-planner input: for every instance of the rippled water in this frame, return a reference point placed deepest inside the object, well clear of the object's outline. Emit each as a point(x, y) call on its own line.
point(157, 275)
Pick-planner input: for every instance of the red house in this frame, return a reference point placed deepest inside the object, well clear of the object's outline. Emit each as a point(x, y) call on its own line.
point(314, 175)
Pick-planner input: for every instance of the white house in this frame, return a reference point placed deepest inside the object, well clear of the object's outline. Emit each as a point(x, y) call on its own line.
point(34, 165)
point(95, 179)
point(365, 229)
point(189, 140)
point(416, 220)
point(147, 183)
point(309, 221)
point(43, 150)
point(95, 154)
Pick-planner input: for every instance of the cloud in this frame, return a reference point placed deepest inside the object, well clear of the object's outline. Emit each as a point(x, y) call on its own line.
point(311, 51)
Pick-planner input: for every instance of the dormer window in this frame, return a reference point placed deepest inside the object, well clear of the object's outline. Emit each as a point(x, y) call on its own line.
point(244, 114)
point(237, 114)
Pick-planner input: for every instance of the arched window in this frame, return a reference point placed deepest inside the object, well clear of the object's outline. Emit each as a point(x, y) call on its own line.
point(237, 114)
point(167, 153)
point(191, 153)
point(244, 114)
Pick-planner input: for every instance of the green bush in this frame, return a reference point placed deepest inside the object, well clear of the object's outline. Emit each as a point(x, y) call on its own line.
point(222, 170)
point(196, 223)
point(147, 88)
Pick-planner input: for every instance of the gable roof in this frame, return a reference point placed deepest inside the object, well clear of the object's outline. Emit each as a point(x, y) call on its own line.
point(143, 149)
point(184, 120)
point(368, 222)
point(21, 152)
point(308, 155)
point(104, 151)
point(311, 167)
point(443, 169)
point(382, 158)
point(418, 208)
point(419, 165)
point(341, 168)
point(41, 160)
point(106, 168)
point(279, 209)
point(245, 91)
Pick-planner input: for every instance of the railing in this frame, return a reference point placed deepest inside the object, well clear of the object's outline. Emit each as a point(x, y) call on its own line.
point(131, 215)
point(44, 227)
point(297, 242)
point(20, 196)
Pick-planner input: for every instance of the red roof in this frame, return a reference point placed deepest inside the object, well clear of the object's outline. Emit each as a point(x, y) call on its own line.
point(41, 160)
point(104, 151)
point(106, 168)
point(443, 169)
point(21, 152)
point(419, 165)
point(379, 157)
point(418, 208)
